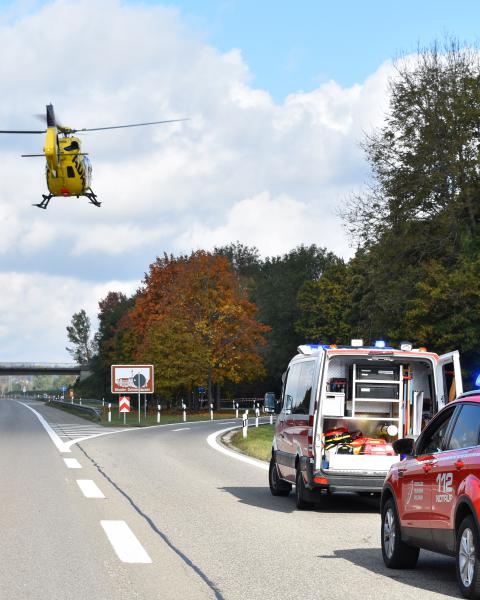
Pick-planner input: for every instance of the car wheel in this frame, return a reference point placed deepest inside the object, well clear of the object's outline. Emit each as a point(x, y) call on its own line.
point(396, 554)
point(467, 562)
point(300, 493)
point(278, 487)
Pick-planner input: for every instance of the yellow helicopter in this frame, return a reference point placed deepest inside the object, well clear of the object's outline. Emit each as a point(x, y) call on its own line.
point(68, 169)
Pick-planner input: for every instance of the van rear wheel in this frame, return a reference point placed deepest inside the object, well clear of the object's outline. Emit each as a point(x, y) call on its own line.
point(278, 487)
point(301, 493)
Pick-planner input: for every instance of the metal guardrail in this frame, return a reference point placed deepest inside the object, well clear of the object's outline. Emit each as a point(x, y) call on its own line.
point(242, 403)
point(96, 412)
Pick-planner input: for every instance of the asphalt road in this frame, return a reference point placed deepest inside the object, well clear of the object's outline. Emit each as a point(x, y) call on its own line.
point(204, 524)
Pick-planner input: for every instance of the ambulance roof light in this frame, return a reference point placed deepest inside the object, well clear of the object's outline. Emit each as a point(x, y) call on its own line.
point(380, 344)
point(406, 346)
point(357, 342)
point(310, 348)
point(477, 381)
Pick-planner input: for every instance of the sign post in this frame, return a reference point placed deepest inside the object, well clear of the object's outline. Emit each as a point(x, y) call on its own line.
point(124, 407)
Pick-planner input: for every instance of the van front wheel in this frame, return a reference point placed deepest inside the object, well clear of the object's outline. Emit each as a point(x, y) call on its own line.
point(278, 487)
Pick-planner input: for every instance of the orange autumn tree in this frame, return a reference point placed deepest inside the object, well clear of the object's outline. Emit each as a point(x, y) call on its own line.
point(194, 323)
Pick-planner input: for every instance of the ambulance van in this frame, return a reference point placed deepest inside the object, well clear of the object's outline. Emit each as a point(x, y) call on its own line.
point(342, 409)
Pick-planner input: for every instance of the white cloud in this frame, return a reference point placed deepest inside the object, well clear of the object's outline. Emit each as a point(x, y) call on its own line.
point(35, 310)
point(243, 167)
point(272, 224)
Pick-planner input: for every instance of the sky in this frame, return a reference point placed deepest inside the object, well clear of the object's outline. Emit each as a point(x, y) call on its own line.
point(278, 94)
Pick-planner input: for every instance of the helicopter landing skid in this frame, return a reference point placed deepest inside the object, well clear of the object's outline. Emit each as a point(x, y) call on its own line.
point(93, 198)
point(45, 201)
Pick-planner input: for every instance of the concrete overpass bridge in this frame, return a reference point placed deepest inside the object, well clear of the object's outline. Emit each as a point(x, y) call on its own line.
point(24, 368)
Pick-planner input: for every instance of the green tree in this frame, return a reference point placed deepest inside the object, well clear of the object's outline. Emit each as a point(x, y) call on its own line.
point(425, 159)
point(78, 334)
point(324, 306)
point(422, 208)
point(279, 282)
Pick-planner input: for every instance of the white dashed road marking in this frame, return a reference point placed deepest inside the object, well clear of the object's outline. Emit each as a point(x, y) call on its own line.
point(72, 463)
point(181, 429)
point(89, 488)
point(124, 542)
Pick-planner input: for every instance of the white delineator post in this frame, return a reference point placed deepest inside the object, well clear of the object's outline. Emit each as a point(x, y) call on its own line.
point(257, 413)
point(245, 424)
point(184, 406)
point(103, 401)
point(271, 419)
point(159, 408)
point(236, 410)
point(211, 412)
point(109, 413)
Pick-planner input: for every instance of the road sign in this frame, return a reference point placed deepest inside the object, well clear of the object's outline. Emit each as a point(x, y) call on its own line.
point(132, 378)
point(124, 404)
point(201, 390)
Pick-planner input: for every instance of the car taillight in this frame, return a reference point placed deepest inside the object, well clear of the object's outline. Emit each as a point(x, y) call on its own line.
point(321, 480)
point(310, 436)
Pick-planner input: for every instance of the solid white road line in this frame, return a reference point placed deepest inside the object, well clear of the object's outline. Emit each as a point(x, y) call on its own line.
point(124, 542)
point(181, 429)
point(89, 488)
point(212, 441)
point(72, 463)
point(53, 436)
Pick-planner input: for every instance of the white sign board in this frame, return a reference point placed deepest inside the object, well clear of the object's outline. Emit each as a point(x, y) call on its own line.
point(132, 378)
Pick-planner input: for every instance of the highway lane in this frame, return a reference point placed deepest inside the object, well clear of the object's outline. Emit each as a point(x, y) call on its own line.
point(53, 545)
point(210, 525)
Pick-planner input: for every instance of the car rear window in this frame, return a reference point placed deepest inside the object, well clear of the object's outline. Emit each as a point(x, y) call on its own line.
point(465, 433)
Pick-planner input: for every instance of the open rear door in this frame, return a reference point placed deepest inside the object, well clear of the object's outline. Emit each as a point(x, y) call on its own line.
point(448, 378)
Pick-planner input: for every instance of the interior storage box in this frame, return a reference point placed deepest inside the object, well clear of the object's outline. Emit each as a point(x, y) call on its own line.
point(334, 404)
point(377, 391)
point(379, 373)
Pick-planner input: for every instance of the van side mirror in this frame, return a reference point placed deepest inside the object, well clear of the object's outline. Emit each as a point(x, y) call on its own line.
point(404, 446)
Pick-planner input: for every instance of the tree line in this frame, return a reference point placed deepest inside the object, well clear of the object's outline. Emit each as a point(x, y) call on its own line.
point(229, 319)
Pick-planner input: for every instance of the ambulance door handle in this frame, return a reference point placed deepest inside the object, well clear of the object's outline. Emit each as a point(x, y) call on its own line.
point(459, 464)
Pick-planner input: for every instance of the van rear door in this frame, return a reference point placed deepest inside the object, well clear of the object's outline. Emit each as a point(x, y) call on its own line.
point(448, 378)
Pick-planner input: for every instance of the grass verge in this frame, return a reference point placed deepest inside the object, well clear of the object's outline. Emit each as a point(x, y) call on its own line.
point(258, 443)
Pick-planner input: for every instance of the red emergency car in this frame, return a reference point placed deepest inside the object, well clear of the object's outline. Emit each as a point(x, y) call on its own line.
point(431, 499)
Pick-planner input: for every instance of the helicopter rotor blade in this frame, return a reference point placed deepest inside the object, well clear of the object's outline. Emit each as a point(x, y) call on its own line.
point(42, 131)
point(124, 126)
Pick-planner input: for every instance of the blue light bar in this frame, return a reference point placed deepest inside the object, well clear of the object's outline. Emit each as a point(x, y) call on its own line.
point(477, 381)
point(380, 344)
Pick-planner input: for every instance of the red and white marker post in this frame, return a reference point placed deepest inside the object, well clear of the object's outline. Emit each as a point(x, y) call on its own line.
point(124, 407)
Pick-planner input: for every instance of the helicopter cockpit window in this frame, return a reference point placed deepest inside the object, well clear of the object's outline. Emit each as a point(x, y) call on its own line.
point(73, 146)
point(70, 171)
